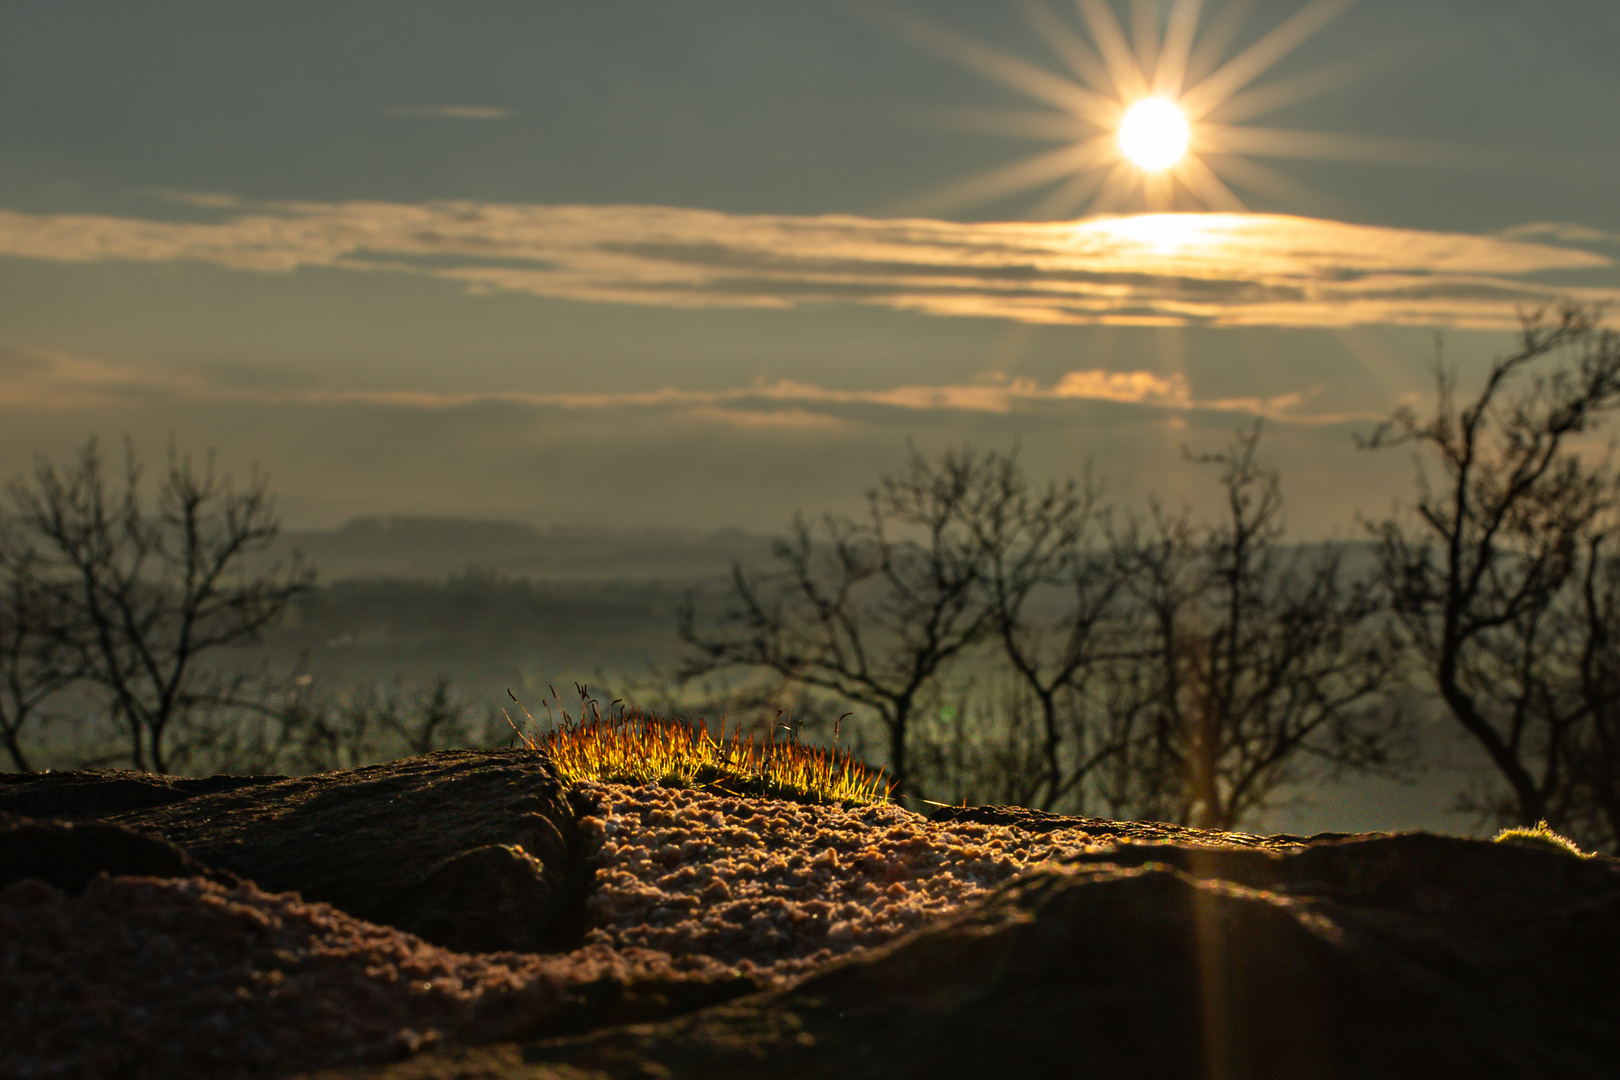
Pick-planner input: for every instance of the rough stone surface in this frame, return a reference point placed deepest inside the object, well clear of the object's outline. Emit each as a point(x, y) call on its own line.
point(476, 852)
point(1105, 831)
point(68, 856)
point(1409, 955)
point(1076, 947)
point(144, 978)
point(81, 794)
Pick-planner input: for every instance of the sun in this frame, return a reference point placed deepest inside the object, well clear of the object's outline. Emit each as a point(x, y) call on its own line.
point(1154, 134)
point(1154, 117)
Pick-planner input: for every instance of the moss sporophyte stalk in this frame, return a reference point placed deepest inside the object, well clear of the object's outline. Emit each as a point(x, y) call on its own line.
point(639, 747)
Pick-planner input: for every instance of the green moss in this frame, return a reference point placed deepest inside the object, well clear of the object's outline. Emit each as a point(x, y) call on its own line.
point(1541, 836)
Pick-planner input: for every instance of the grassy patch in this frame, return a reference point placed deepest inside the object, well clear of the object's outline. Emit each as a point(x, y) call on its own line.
point(637, 747)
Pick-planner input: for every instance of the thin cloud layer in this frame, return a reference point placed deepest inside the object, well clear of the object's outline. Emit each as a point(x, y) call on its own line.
point(41, 380)
point(1205, 269)
point(449, 112)
point(1563, 231)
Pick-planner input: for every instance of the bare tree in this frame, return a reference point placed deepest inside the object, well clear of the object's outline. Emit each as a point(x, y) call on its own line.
point(1031, 544)
point(1487, 582)
point(872, 612)
point(37, 661)
point(1251, 672)
point(984, 744)
point(150, 595)
point(1591, 802)
point(299, 728)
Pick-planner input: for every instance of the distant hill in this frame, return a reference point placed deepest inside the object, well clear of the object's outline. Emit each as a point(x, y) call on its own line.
point(435, 548)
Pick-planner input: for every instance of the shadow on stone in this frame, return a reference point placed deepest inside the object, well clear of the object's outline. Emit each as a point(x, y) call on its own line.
point(67, 856)
point(472, 851)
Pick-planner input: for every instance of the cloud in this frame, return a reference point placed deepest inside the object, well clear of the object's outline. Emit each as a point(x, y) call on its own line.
point(1133, 386)
point(1563, 231)
point(47, 380)
point(204, 200)
point(1204, 269)
point(448, 112)
point(766, 419)
point(20, 359)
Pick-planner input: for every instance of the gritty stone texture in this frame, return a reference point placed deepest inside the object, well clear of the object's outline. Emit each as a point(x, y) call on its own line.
point(1410, 955)
point(779, 888)
point(717, 938)
point(140, 977)
point(1103, 831)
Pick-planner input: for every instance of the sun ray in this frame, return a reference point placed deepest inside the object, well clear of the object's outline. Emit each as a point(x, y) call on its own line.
point(1021, 123)
point(1123, 180)
point(1216, 40)
point(1070, 198)
point(1289, 90)
point(1180, 32)
point(1018, 176)
point(1145, 37)
point(1069, 47)
point(1209, 188)
point(1263, 180)
point(1159, 192)
point(1129, 81)
point(1016, 74)
point(1253, 62)
point(1252, 141)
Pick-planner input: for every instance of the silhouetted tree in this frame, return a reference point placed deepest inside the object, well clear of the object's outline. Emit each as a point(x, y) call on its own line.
point(987, 745)
point(146, 596)
point(1183, 673)
point(299, 728)
point(1591, 807)
point(871, 612)
point(1248, 669)
point(37, 660)
point(1031, 545)
point(1490, 581)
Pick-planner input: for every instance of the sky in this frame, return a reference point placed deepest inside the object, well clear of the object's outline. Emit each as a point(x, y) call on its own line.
point(702, 264)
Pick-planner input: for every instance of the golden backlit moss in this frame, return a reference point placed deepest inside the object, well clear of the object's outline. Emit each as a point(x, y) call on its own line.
point(1539, 835)
point(643, 748)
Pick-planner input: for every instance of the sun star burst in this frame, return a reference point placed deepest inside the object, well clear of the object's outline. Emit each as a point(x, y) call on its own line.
point(1151, 111)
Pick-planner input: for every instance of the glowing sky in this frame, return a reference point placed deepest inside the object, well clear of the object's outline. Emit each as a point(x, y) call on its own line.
point(700, 264)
